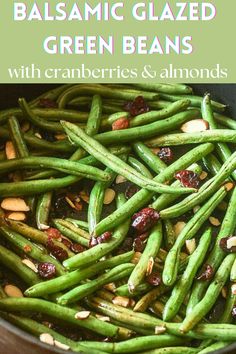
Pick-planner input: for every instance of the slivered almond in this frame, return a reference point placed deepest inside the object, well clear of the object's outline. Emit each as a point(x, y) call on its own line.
point(13, 291)
point(203, 175)
point(38, 135)
point(111, 287)
point(82, 315)
point(46, 338)
point(16, 215)
point(160, 329)
point(196, 208)
point(195, 125)
point(121, 301)
point(224, 292)
point(30, 264)
point(178, 227)
point(14, 204)
point(43, 227)
point(10, 150)
point(120, 179)
point(233, 289)
point(136, 257)
point(229, 186)
point(103, 318)
point(190, 245)
point(84, 196)
point(214, 221)
point(61, 345)
point(150, 266)
point(60, 136)
point(109, 196)
point(231, 242)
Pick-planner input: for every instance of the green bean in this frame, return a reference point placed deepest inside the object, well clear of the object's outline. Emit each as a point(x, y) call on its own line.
point(113, 117)
point(139, 167)
point(208, 115)
point(216, 255)
point(82, 224)
point(72, 232)
point(14, 263)
point(103, 91)
point(17, 138)
point(170, 236)
point(95, 116)
point(90, 287)
point(208, 136)
point(157, 308)
point(96, 201)
point(43, 210)
point(141, 198)
point(63, 165)
point(35, 234)
point(213, 347)
point(32, 250)
point(143, 303)
point(205, 191)
point(100, 250)
point(172, 350)
point(146, 321)
point(68, 280)
point(59, 312)
point(113, 162)
point(51, 95)
point(152, 160)
point(172, 260)
point(147, 131)
point(233, 272)
point(55, 114)
point(226, 121)
point(149, 253)
point(196, 101)
point(164, 200)
point(123, 290)
point(226, 316)
point(166, 88)
point(152, 116)
point(213, 291)
point(212, 164)
point(183, 285)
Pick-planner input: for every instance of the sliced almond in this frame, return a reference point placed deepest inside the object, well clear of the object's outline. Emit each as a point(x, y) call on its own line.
point(195, 125)
point(38, 135)
point(46, 338)
point(160, 329)
point(136, 257)
point(14, 204)
point(196, 208)
point(61, 345)
point(229, 186)
point(84, 196)
point(178, 227)
point(17, 216)
point(30, 264)
point(203, 175)
point(43, 227)
point(111, 287)
point(60, 137)
point(120, 179)
point(103, 318)
point(10, 150)
point(190, 245)
point(150, 266)
point(121, 301)
point(231, 242)
point(233, 289)
point(13, 291)
point(82, 315)
point(224, 292)
point(214, 221)
point(109, 196)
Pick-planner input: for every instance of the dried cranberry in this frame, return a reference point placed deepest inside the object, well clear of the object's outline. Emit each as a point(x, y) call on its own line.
point(207, 273)
point(77, 248)
point(144, 236)
point(126, 246)
point(166, 154)
point(224, 246)
point(121, 123)
point(145, 219)
point(188, 178)
point(131, 191)
point(100, 239)
point(138, 245)
point(66, 242)
point(47, 103)
point(57, 251)
point(46, 270)
point(234, 312)
point(53, 233)
point(136, 107)
point(154, 279)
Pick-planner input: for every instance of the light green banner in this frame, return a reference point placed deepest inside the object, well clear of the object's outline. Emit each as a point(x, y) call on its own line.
point(117, 41)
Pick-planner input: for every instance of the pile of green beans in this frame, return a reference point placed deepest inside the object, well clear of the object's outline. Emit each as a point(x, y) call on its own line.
point(77, 167)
